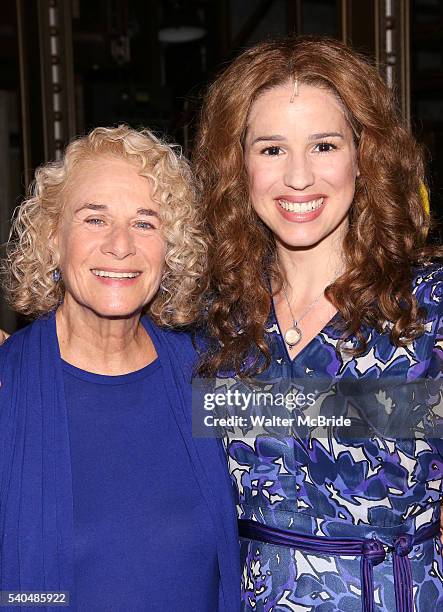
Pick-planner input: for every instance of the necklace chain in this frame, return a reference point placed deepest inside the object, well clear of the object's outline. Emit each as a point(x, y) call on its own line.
point(294, 334)
point(311, 305)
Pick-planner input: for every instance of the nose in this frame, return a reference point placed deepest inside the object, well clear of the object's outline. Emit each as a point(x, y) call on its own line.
point(298, 172)
point(119, 242)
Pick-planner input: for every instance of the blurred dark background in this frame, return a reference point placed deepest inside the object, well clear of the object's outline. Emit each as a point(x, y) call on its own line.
point(69, 65)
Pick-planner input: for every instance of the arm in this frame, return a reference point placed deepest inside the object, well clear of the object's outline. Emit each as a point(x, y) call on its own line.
point(3, 336)
point(429, 295)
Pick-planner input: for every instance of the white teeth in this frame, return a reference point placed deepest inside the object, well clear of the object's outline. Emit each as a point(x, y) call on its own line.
point(107, 274)
point(301, 207)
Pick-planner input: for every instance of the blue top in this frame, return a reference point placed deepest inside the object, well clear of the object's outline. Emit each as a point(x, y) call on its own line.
point(36, 486)
point(139, 516)
point(361, 485)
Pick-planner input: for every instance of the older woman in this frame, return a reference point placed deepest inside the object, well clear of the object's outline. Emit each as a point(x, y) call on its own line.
point(311, 191)
point(104, 493)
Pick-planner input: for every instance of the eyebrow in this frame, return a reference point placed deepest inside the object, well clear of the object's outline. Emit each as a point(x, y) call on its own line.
point(147, 212)
point(325, 135)
point(279, 137)
point(272, 138)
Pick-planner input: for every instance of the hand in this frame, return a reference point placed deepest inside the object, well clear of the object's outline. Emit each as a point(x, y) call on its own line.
point(3, 336)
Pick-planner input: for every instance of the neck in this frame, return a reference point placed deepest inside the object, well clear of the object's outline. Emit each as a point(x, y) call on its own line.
point(309, 270)
point(102, 345)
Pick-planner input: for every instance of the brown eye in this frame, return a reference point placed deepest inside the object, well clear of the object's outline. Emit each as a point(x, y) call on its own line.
point(325, 147)
point(271, 151)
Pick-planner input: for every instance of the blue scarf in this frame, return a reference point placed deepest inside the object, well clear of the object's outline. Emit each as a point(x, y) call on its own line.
point(36, 504)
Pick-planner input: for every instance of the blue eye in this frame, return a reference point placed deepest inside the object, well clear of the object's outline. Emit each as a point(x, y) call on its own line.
point(272, 151)
point(144, 225)
point(94, 221)
point(325, 147)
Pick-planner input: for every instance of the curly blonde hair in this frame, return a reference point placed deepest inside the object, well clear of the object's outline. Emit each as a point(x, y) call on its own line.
point(32, 255)
point(388, 224)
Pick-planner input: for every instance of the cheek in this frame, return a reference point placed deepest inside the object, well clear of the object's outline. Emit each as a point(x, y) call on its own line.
point(342, 176)
point(74, 244)
point(154, 255)
point(260, 180)
point(70, 250)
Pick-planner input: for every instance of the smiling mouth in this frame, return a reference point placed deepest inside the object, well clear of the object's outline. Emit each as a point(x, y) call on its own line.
point(301, 207)
point(117, 275)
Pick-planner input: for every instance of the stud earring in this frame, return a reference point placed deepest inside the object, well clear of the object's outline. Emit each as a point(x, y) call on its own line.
point(56, 276)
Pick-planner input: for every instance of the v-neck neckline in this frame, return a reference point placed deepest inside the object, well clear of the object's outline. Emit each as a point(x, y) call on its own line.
point(282, 340)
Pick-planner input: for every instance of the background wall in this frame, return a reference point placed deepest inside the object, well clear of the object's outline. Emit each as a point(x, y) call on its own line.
point(69, 65)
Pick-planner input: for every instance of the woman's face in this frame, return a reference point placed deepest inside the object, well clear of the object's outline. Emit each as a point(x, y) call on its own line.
point(111, 247)
point(301, 163)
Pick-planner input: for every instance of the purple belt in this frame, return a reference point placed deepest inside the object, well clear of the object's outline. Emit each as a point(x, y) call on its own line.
point(372, 552)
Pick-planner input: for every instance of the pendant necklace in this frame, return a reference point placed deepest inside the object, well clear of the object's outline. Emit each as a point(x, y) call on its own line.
point(294, 334)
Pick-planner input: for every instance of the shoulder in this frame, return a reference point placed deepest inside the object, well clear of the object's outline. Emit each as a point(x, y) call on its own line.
point(21, 346)
point(428, 287)
point(178, 338)
point(178, 343)
point(16, 340)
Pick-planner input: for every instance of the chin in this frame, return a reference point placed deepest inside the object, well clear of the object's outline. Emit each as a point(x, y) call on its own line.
point(302, 242)
point(117, 312)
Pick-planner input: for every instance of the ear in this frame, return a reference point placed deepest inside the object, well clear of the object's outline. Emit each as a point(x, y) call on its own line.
point(54, 246)
point(54, 237)
point(54, 241)
point(357, 167)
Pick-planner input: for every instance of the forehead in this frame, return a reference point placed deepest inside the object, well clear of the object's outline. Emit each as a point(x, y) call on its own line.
point(108, 179)
point(313, 108)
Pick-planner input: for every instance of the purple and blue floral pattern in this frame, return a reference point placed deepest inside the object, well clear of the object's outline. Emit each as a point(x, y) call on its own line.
point(334, 486)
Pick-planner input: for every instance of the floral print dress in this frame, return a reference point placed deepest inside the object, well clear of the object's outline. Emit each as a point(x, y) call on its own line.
point(332, 486)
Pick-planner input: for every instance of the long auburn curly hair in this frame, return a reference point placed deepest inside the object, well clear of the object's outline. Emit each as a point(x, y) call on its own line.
point(388, 225)
point(31, 253)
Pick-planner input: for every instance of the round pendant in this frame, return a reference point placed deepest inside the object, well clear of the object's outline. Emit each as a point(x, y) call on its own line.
point(292, 336)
